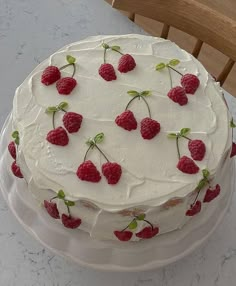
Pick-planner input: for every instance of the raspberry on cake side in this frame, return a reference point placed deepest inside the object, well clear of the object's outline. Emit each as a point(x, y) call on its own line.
point(167, 137)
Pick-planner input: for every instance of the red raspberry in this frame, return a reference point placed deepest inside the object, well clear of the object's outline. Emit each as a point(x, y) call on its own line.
point(149, 128)
point(233, 150)
point(58, 136)
point(187, 165)
point(126, 63)
point(123, 235)
point(197, 149)
point(126, 120)
point(70, 222)
point(211, 194)
point(178, 95)
point(87, 171)
point(50, 75)
point(148, 232)
point(65, 85)
point(16, 170)
point(190, 83)
point(72, 121)
point(12, 149)
point(52, 209)
point(112, 172)
point(107, 72)
point(195, 209)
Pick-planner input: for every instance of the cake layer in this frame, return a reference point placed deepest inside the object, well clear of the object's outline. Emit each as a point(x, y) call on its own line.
point(149, 167)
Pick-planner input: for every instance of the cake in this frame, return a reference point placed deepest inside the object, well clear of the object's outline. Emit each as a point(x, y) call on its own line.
point(124, 137)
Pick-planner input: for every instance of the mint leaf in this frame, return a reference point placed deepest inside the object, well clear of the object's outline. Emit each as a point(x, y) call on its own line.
point(133, 224)
point(172, 135)
point(99, 138)
point(201, 184)
point(61, 195)
point(205, 173)
point(70, 59)
point(15, 134)
point(51, 109)
point(184, 131)
point(62, 105)
point(115, 48)
point(69, 203)
point(146, 93)
point(232, 124)
point(132, 92)
point(174, 62)
point(105, 46)
point(160, 66)
point(141, 217)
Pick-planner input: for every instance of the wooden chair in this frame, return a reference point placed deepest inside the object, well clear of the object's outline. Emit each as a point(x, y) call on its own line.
point(195, 17)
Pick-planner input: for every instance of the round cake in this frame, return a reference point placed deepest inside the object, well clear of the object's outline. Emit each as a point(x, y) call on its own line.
point(124, 137)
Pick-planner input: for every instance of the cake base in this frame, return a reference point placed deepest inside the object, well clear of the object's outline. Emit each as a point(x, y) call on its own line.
point(103, 255)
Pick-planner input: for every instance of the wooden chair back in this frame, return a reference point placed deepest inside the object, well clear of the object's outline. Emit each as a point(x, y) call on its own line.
point(202, 21)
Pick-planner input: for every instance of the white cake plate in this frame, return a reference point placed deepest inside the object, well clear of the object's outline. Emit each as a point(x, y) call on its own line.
point(104, 255)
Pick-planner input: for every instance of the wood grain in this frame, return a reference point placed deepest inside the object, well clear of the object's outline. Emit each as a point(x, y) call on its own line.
point(212, 59)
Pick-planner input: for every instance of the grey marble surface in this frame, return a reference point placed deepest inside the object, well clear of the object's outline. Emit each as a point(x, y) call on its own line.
point(29, 32)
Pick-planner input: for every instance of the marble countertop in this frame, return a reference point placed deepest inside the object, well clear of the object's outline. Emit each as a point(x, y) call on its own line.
point(29, 32)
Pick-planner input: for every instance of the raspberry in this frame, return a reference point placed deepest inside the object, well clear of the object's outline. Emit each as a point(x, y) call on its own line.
point(148, 232)
point(233, 150)
point(126, 63)
point(211, 194)
point(178, 95)
point(52, 209)
point(12, 149)
point(187, 165)
point(50, 75)
point(72, 121)
point(107, 72)
point(58, 136)
point(149, 128)
point(190, 83)
point(112, 172)
point(123, 235)
point(65, 85)
point(195, 209)
point(87, 171)
point(197, 149)
point(70, 222)
point(126, 120)
point(16, 170)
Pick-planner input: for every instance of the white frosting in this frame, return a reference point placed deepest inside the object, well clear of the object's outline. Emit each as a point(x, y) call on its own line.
point(149, 173)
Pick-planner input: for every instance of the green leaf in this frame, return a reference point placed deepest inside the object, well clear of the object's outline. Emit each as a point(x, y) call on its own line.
point(62, 105)
point(172, 135)
point(69, 203)
point(141, 217)
point(15, 134)
point(51, 109)
point(61, 195)
point(232, 124)
point(201, 184)
point(146, 93)
point(99, 138)
point(70, 59)
point(115, 48)
point(133, 224)
point(133, 92)
point(174, 62)
point(17, 141)
point(184, 131)
point(105, 46)
point(160, 66)
point(205, 173)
